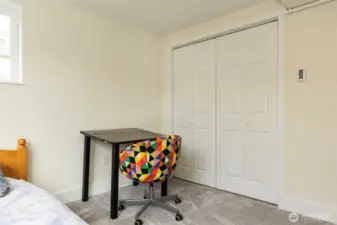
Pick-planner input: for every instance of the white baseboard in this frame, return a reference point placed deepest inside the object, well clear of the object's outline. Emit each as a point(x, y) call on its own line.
point(96, 188)
point(313, 210)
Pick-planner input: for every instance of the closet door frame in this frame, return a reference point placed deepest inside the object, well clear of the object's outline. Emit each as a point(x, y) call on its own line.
point(279, 18)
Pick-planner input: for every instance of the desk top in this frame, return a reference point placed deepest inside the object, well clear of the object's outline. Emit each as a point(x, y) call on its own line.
point(121, 136)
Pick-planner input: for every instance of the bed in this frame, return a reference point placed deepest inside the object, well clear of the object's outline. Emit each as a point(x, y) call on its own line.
point(27, 204)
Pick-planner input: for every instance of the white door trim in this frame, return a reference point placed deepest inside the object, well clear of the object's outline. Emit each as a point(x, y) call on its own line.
point(281, 92)
point(279, 17)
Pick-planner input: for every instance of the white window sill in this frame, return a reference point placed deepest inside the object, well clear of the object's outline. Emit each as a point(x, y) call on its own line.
point(11, 82)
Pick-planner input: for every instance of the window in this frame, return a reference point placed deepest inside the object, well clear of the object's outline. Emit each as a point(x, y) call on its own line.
point(10, 39)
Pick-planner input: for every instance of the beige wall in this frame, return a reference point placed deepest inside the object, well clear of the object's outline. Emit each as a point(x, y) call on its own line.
point(310, 163)
point(81, 71)
point(311, 106)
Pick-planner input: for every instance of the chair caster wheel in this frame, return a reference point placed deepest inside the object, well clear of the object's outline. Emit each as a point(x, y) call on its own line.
point(138, 222)
point(179, 217)
point(146, 195)
point(177, 201)
point(121, 207)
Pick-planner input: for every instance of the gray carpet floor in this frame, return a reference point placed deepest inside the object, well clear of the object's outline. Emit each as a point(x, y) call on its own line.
point(201, 205)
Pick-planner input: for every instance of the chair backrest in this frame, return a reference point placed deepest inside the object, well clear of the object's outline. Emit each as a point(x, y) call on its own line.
point(152, 160)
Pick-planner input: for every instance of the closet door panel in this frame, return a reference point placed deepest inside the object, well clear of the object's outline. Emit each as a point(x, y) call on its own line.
point(247, 112)
point(196, 64)
point(183, 109)
point(262, 111)
point(230, 114)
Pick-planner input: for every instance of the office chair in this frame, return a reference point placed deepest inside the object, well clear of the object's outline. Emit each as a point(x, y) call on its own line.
point(151, 162)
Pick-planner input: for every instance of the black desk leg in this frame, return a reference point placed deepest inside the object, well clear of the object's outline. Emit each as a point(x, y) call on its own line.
point(164, 188)
point(114, 182)
point(86, 170)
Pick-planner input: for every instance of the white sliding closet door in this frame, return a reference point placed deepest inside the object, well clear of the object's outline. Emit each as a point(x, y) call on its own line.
point(247, 112)
point(194, 111)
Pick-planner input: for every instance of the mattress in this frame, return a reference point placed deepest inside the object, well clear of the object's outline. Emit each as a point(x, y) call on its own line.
point(27, 204)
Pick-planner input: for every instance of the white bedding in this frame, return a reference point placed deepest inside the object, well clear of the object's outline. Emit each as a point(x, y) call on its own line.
point(27, 204)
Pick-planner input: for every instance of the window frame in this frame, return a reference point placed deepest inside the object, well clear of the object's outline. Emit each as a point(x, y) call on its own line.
point(14, 12)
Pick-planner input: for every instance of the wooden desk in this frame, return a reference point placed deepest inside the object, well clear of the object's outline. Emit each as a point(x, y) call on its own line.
point(115, 138)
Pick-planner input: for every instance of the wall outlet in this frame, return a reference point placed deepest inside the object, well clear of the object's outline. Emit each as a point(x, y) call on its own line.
point(301, 75)
point(106, 160)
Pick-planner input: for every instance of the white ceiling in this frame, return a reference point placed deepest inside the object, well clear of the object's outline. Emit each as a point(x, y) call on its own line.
point(165, 16)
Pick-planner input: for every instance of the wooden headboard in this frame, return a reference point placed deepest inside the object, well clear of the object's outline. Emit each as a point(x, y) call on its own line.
point(13, 163)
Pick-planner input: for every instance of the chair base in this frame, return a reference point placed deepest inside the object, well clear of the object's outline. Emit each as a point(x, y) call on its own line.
point(152, 201)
